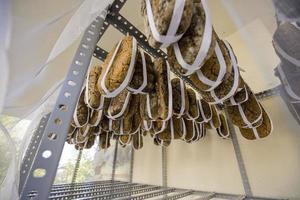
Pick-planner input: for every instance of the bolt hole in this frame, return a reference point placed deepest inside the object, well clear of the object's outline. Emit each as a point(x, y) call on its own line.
point(91, 32)
point(71, 83)
point(39, 173)
point(32, 194)
point(67, 94)
point(78, 63)
point(46, 154)
point(85, 46)
point(58, 121)
point(75, 72)
point(52, 136)
point(62, 107)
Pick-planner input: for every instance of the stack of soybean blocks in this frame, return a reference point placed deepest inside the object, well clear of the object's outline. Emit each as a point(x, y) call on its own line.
point(130, 95)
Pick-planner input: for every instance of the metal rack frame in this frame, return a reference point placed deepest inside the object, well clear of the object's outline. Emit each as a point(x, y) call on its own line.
point(53, 135)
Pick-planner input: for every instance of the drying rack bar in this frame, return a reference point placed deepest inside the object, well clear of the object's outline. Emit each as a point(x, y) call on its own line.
point(143, 191)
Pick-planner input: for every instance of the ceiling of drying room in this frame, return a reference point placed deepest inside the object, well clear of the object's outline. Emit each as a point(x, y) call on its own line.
point(247, 25)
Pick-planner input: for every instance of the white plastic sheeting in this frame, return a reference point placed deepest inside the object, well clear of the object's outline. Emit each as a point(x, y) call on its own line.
point(34, 58)
point(43, 42)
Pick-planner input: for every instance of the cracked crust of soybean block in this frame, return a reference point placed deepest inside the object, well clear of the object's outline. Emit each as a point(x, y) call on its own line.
point(161, 87)
point(240, 94)
point(251, 109)
point(223, 128)
point(120, 65)
point(162, 12)
point(137, 78)
point(176, 91)
point(263, 130)
point(117, 103)
point(189, 129)
point(224, 88)
point(94, 116)
point(206, 108)
point(215, 119)
point(177, 128)
point(93, 92)
point(193, 109)
point(211, 68)
point(190, 42)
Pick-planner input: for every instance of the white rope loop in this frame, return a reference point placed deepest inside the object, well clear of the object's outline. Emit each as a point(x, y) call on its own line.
point(189, 117)
point(128, 76)
point(182, 93)
point(205, 119)
point(233, 102)
point(145, 125)
point(204, 47)
point(99, 117)
point(86, 93)
point(245, 119)
point(170, 93)
point(235, 79)
point(220, 132)
point(145, 81)
point(163, 127)
point(75, 117)
point(171, 36)
point(221, 74)
point(127, 142)
point(183, 129)
point(218, 117)
point(121, 113)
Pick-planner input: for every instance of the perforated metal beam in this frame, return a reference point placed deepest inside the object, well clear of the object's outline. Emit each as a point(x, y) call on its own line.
point(239, 157)
point(42, 173)
point(31, 151)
